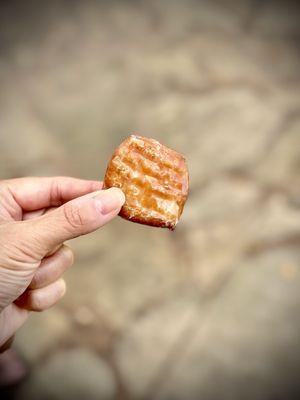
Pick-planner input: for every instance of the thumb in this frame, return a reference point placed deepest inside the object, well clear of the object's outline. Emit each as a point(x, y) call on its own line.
point(77, 217)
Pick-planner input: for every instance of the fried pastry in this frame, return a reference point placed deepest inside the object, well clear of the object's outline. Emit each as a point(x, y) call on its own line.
point(153, 178)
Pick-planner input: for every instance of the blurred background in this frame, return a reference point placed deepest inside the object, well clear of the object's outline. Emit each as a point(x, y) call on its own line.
point(210, 311)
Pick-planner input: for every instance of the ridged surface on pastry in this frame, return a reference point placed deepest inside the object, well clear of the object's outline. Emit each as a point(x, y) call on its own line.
point(153, 178)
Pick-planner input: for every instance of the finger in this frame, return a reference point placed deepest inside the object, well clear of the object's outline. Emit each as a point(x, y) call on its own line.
point(42, 299)
point(37, 213)
point(75, 218)
point(11, 319)
point(36, 193)
point(7, 345)
point(52, 268)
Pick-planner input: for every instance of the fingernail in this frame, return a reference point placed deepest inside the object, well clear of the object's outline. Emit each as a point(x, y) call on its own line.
point(109, 200)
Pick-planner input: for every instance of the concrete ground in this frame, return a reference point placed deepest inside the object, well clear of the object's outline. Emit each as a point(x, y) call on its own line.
point(210, 311)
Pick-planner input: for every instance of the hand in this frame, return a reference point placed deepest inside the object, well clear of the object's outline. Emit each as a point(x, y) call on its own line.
point(36, 216)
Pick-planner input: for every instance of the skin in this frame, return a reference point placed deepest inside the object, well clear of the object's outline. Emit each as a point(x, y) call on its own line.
point(37, 215)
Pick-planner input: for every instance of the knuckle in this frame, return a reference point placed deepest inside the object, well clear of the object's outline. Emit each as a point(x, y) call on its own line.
point(37, 302)
point(55, 193)
point(69, 255)
point(73, 216)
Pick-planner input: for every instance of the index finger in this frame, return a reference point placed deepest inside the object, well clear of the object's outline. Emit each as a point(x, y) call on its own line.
point(34, 193)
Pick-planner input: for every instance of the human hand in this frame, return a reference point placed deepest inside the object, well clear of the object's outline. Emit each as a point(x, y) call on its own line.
point(36, 216)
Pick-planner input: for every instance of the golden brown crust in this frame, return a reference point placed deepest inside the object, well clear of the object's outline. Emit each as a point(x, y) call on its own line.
point(153, 178)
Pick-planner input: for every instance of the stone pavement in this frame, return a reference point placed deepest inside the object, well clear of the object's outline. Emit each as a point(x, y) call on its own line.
point(211, 310)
